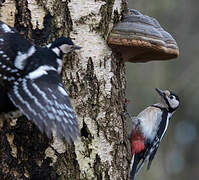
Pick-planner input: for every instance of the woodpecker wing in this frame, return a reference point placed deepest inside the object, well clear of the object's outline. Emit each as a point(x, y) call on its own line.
point(134, 162)
point(160, 134)
point(152, 155)
point(44, 100)
point(14, 52)
point(137, 157)
point(151, 147)
point(14, 48)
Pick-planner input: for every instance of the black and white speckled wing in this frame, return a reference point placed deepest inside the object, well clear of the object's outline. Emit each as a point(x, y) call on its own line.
point(44, 100)
point(13, 45)
point(14, 52)
point(160, 134)
point(152, 147)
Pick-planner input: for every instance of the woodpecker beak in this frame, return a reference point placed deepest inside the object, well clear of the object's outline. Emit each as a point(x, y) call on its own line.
point(75, 47)
point(160, 92)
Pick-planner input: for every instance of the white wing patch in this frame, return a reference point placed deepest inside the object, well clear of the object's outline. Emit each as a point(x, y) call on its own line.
point(62, 90)
point(40, 71)
point(6, 28)
point(22, 57)
point(56, 51)
point(59, 62)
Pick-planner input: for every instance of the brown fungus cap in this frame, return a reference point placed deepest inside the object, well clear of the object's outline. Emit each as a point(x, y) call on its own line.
point(140, 38)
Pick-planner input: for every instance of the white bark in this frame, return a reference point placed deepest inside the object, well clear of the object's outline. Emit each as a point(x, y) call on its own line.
point(95, 80)
point(95, 49)
point(8, 12)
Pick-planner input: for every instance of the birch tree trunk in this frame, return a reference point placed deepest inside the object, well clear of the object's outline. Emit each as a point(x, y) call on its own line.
point(95, 80)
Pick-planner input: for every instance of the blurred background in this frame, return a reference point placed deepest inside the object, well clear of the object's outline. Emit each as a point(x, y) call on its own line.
point(178, 155)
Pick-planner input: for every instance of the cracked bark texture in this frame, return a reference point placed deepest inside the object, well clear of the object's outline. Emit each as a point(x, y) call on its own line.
point(95, 80)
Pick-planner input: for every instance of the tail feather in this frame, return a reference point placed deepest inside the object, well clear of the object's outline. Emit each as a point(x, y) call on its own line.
point(134, 162)
point(140, 166)
point(151, 158)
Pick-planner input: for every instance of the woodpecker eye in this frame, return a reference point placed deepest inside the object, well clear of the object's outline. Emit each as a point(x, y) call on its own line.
point(171, 97)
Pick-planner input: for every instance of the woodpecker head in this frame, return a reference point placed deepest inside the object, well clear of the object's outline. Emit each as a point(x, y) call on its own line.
point(169, 99)
point(62, 46)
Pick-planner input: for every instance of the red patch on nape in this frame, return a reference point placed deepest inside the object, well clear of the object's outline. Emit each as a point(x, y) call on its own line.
point(137, 142)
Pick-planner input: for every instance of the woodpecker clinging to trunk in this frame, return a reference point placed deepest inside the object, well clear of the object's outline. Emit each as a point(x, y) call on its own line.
point(30, 77)
point(148, 130)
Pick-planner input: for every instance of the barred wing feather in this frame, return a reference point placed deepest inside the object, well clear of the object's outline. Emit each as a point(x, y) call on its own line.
point(45, 101)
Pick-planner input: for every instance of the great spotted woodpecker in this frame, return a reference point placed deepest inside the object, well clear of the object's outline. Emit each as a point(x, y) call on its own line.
point(30, 77)
point(148, 130)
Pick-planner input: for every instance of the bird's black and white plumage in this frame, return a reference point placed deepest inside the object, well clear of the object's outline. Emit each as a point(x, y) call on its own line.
point(30, 77)
point(148, 129)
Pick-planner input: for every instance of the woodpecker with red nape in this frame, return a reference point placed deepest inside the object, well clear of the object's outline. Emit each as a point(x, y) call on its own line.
point(30, 80)
point(148, 130)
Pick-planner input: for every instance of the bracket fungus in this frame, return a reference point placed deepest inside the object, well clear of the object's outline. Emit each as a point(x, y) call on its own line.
point(140, 38)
